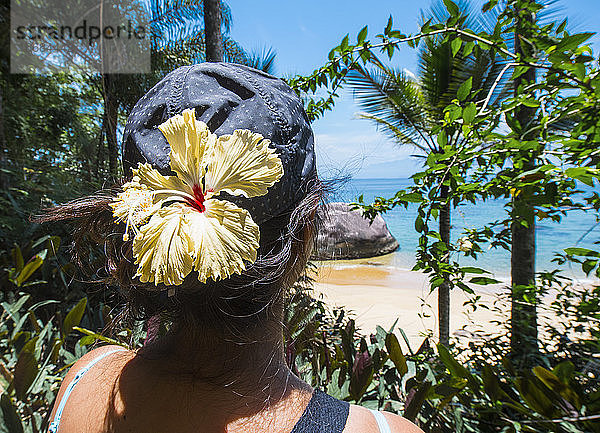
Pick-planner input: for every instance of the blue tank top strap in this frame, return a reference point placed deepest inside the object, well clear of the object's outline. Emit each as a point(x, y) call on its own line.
point(324, 414)
point(61, 406)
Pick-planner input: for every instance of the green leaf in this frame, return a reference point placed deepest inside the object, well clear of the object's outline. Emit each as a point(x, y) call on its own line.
point(576, 251)
point(31, 266)
point(465, 89)
point(469, 113)
point(365, 55)
point(10, 421)
point(571, 42)
point(564, 371)
point(588, 266)
point(442, 138)
point(426, 27)
point(18, 258)
point(455, 45)
point(468, 49)
point(362, 35)
point(519, 70)
point(331, 54)
point(412, 197)
point(390, 50)
point(455, 368)
point(452, 113)
point(395, 351)
point(13, 310)
point(26, 369)
point(533, 103)
point(419, 224)
point(483, 281)
point(344, 44)
point(551, 381)
point(491, 384)
point(388, 27)
point(582, 174)
point(99, 337)
point(451, 364)
point(74, 317)
point(473, 270)
point(452, 8)
point(536, 397)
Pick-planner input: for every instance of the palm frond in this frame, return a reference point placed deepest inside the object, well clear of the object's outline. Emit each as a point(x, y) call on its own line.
point(169, 11)
point(263, 60)
point(441, 74)
point(167, 15)
point(391, 96)
point(436, 70)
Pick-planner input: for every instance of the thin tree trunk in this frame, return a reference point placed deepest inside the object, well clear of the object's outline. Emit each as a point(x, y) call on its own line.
point(523, 291)
point(110, 123)
point(99, 166)
point(444, 288)
point(212, 31)
point(4, 181)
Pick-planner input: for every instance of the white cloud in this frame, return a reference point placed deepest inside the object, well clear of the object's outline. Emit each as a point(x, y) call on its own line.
point(362, 155)
point(348, 145)
point(409, 73)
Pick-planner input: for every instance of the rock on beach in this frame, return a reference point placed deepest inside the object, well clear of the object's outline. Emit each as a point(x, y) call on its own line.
point(346, 234)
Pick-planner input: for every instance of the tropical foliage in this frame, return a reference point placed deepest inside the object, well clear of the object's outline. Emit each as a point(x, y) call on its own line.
point(486, 146)
point(411, 109)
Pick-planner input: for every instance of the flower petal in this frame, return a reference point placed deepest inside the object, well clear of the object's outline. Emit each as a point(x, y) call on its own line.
point(163, 248)
point(151, 177)
point(241, 164)
point(224, 236)
point(134, 203)
point(188, 139)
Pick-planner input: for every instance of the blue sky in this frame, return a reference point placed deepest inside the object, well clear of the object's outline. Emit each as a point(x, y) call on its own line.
point(302, 33)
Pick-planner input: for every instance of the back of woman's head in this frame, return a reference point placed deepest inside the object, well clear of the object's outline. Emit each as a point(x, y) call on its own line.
point(216, 214)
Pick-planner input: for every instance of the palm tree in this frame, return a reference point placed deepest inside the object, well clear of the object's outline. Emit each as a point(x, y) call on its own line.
point(178, 38)
point(408, 109)
point(212, 31)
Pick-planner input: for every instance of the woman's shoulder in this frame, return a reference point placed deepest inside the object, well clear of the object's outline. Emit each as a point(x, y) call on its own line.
point(95, 356)
point(87, 361)
point(362, 420)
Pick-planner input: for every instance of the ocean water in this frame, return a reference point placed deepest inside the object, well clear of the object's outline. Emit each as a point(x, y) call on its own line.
point(576, 229)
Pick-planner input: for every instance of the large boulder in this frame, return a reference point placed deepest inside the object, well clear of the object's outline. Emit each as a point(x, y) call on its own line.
point(346, 234)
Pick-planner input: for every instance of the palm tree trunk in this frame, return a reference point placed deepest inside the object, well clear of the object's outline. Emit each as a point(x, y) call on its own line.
point(212, 31)
point(524, 333)
point(110, 123)
point(444, 288)
point(523, 291)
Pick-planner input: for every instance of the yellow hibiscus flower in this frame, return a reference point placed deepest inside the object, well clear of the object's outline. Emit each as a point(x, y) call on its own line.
point(178, 223)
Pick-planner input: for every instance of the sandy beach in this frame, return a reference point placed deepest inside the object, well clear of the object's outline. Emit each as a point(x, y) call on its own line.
point(379, 294)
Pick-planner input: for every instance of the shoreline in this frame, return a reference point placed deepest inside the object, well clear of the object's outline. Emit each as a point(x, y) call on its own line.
point(376, 292)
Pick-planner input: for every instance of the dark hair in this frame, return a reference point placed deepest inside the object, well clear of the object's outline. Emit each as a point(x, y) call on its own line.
point(232, 306)
point(226, 97)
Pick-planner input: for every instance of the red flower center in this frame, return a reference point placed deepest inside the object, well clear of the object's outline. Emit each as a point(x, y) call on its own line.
point(198, 201)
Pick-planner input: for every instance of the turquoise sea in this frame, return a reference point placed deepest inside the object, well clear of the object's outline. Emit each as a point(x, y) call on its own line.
point(577, 229)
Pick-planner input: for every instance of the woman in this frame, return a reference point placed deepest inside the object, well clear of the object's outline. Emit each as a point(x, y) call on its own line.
point(215, 223)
